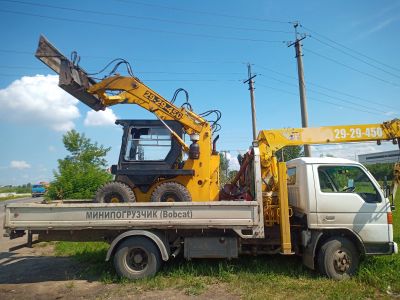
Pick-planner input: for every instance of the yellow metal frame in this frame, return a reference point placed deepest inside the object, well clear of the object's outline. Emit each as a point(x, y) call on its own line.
point(275, 194)
point(284, 210)
point(204, 185)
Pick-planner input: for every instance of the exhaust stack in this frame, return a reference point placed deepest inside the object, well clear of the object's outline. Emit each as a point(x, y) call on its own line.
point(72, 78)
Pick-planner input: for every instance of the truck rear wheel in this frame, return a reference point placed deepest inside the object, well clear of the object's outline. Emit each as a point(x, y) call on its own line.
point(136, 258)
point(338, 258)
point(115, 192)
point(170, 192)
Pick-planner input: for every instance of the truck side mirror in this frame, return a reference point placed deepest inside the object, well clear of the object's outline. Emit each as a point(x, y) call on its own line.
point(389, 193)
point(386, 191)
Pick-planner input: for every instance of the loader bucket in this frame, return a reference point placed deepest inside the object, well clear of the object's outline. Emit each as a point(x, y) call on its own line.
point(72, 78)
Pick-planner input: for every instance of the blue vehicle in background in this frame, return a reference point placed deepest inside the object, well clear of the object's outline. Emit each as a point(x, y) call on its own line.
point(38, 190)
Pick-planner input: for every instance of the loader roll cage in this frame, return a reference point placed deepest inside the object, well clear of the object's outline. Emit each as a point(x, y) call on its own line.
point(141, 172)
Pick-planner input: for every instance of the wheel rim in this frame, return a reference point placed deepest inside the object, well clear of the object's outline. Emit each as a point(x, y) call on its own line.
point(137, 259)
point(113, 198)
point(170, 197)
point(341, 261)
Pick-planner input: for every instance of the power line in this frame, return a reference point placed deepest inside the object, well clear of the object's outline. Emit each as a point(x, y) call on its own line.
point(318, 100)
point(102, 13)
point(329, 96)
point(352, 50)
point(138, 71)
point(328, 89)
point(151, 80)
point(16, 51)
point(139, 28)
point(188, 73)
point(137, 59)
point(23, 67)
point(352, 68)
point(206, 12)
point(193, 80)
point(9, 75)
point(356, 57)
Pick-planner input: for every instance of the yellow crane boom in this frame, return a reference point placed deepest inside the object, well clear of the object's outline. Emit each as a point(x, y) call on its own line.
point(271, 141)
point(275, 195)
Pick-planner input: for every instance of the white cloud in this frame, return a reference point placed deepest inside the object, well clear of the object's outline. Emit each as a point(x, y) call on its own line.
point(352, 150)
point(100, 118)
point(39, 100)
point(52, 148)
point(378, 27)
point(19, 164)
point(233, 162)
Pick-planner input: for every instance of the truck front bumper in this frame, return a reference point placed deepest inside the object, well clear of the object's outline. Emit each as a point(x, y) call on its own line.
point(381, 248)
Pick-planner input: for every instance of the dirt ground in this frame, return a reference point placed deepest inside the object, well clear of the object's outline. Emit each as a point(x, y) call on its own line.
point(35, 273)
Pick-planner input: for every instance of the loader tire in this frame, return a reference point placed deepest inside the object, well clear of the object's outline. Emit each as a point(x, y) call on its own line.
point(114, 192)
point(137, 258)
point(170, 192)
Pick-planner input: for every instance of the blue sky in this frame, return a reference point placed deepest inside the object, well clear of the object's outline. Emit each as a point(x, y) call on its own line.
point(202, 46)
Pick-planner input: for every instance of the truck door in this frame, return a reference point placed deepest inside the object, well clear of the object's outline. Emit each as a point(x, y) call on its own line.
point(348, 198)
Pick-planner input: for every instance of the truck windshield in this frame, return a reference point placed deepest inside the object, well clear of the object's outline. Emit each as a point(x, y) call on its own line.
point(347, 179)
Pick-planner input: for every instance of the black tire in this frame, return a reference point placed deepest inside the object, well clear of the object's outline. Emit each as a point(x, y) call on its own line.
point(114, 192)
point(338, 258)
point(136, 258)
point(170, 192)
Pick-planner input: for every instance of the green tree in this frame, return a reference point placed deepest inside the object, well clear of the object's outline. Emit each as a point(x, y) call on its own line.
point(223, 168)
point(289, 152)
point(381, 170)
point(82, 172)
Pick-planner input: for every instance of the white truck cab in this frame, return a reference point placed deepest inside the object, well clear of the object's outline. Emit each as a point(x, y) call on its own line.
point(339, 199)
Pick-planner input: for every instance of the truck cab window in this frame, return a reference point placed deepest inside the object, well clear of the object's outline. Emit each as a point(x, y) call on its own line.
point(347, 179)
point(146, 143)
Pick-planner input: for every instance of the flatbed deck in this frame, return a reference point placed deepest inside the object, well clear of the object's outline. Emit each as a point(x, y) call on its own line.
point(232, 215)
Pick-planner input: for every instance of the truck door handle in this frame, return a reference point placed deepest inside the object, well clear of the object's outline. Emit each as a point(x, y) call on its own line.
point(329, 218)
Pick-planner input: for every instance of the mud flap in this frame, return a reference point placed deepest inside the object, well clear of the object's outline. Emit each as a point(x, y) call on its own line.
point(310, 241)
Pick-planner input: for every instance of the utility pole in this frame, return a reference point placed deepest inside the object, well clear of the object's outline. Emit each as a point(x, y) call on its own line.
point(250, 81)
point(302, 87)
point(227, 161)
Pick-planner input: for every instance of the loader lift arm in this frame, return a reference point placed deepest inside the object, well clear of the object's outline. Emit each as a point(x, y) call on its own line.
point(99, 95)
point(199, 173)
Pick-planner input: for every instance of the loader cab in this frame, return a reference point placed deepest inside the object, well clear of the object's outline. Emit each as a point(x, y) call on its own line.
point(148, 153)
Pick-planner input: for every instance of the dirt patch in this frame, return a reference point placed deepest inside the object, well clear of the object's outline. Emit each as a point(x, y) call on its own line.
point(82, 289)
point(35, 273)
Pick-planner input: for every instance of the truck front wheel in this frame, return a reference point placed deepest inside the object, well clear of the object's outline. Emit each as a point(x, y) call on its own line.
point(338, 258)
point(136, 258)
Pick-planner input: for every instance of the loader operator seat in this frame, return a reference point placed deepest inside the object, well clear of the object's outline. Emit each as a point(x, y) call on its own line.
point(135, 134)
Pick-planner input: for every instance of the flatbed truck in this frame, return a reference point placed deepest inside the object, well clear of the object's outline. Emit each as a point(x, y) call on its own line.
point(332, 229)
point(332, 212)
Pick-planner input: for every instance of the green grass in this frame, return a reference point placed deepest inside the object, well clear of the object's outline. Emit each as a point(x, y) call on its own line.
point(14, 197)
point(278, 277)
